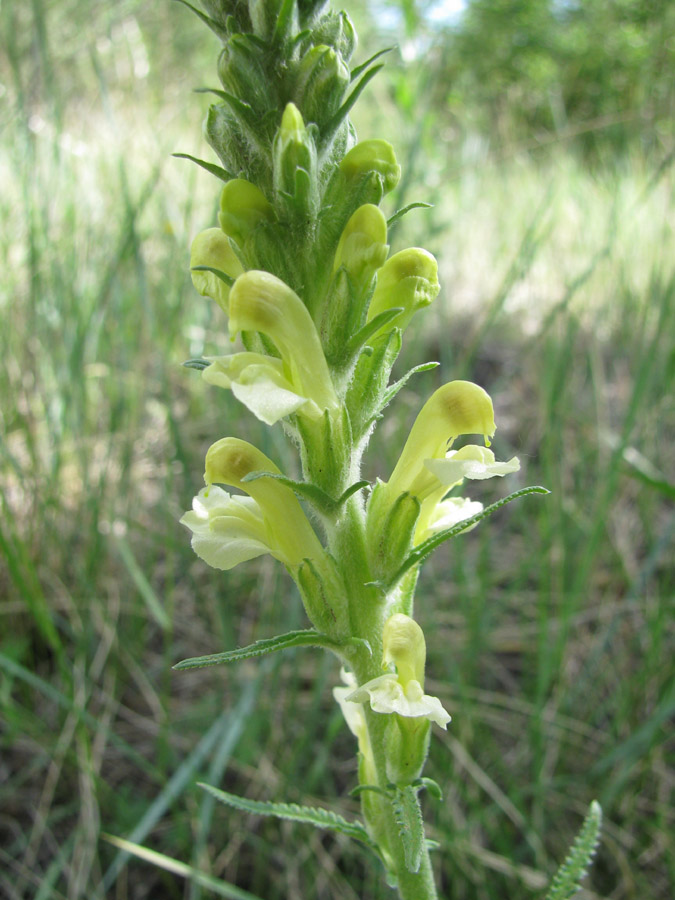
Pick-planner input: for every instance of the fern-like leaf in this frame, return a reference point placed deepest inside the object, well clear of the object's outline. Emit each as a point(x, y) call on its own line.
point(293, 812)
point(567, 879)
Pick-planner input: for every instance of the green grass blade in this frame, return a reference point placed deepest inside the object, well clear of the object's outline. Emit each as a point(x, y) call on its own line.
point(229, 728)
point(143, 586)
point(219, 887)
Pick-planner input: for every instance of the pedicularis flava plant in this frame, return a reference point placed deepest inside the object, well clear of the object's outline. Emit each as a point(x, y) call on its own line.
point(300, 266)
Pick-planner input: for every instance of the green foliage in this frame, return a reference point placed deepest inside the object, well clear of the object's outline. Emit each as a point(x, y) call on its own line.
point(410, 825)
point(306, 638)
point(597, 71)
point(552, 641)
point(293, 812)
point(567, 879)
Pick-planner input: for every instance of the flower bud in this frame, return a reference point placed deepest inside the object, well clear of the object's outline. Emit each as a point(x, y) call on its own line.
point(288, 530)
point(264, 15)
point(261, 302)
point(242, 74)
point(212, 248)
point(295, 161)
point(408, 279)
point(322, 80)
point(225, 137)
point(368, 157)
point(243, 207)
point(334, 29)
point(362, 247)
point(403, 645)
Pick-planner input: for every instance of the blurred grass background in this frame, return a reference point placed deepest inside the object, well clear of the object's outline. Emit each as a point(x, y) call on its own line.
point(543, 133)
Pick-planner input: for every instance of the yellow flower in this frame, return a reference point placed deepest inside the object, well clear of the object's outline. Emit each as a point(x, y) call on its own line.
point(227, 530)
point(274, 387)
point(402, 692)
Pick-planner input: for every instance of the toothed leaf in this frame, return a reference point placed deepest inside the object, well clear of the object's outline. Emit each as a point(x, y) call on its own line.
point(567, 879)
point(426, 548)
point(305, 638)
point(293, 812)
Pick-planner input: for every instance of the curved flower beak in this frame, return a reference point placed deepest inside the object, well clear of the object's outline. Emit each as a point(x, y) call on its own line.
point(212, 248)
point(230, 529)
point(408, 279)
point(271, 387)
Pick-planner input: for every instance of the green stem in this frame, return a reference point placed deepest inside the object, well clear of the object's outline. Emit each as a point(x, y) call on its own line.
point(411, 885)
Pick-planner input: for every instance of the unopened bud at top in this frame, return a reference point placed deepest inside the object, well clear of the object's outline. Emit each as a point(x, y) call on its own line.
point(295, 157)
point(408, 279)
point(362, 248)
point(321, 83)
point(212, 248)
point(373, 156)
point(335, 29)
point(243, 207)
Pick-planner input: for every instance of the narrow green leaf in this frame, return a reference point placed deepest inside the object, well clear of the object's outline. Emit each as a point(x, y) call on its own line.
point(360, 788)
point(356, 71)
point(320, 499)
point(334, 123)
point(408, 817)
point(218, 171)
point(361, 336)
point(305, 638)
point(406, 209)
point(199, 364)
point(293, 812)
point(433, 787)
point(169, 864)
point(255, 39)
point(227, 279)
point(423, 550)
point(352, 489)
point(392, 391)
point(237, 105)
point(284, 22)
point(567, 879)
point(215, 27)
point(143, 586)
